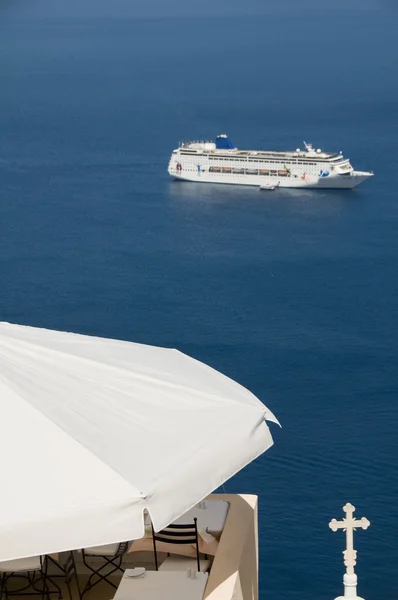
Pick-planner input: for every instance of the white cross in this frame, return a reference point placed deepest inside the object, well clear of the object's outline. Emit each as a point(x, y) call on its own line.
point(349, 524)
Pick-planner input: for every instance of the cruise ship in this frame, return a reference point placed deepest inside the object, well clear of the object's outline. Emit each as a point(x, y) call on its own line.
point(222, 162)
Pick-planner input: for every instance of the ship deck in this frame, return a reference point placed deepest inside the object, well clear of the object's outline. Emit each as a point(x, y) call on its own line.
point(264, 154)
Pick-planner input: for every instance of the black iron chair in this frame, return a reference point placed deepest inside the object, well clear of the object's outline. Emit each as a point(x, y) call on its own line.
point(71, 577)
point(112, 557)
point(34, 571)
point(2, 587)
point(177, 534)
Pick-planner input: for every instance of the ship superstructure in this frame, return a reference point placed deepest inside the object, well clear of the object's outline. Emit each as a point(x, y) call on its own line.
point(222, 162)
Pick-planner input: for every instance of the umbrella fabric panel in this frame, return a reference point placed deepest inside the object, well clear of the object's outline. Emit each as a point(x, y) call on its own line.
point(55, 493)
point(117, 413)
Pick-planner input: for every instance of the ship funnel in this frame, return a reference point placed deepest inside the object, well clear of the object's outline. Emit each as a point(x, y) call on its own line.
point(224, 143)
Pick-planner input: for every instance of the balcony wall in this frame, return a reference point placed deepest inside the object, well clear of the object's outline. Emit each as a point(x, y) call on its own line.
point(234, 573)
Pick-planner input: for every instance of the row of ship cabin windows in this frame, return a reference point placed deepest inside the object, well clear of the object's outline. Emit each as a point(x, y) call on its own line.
point(229, 170)
point(263, 161)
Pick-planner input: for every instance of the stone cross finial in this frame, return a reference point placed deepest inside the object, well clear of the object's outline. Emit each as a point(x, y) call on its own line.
point(349, 524)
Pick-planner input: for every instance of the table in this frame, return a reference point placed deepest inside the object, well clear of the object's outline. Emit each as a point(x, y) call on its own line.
point(162, 585)
point(211, 515)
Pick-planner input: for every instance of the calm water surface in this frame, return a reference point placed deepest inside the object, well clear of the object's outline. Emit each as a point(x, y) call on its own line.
point(293, 294)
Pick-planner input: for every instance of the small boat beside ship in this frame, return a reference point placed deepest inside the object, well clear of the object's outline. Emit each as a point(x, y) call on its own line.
point(222, 162)
point(269, 186)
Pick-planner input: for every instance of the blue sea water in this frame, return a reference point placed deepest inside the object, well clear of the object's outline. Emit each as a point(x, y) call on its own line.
point(292, 293)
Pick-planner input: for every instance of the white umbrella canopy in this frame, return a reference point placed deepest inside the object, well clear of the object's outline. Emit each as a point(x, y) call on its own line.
point(94, 431)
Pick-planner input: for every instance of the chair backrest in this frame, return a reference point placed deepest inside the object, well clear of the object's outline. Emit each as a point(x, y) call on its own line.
point(178, 534)
point(71, 574)
point(122, 549)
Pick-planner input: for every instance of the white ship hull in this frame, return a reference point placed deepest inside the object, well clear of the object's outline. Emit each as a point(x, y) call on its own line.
point(337, 182)
point(221, 162)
